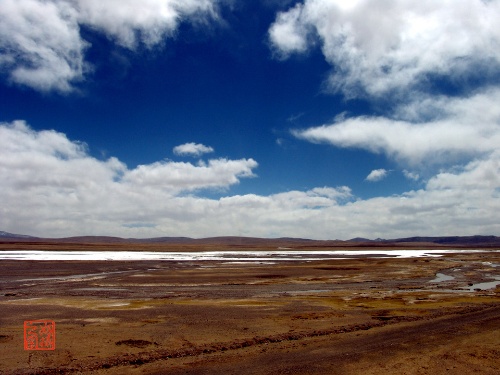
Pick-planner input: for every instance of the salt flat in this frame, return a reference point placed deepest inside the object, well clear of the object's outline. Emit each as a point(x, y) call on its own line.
point(227, 255)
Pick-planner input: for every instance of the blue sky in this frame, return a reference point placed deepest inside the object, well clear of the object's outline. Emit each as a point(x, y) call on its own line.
point(315, 118)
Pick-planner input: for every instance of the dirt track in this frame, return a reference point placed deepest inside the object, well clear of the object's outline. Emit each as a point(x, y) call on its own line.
point(453, 344)
point(370, 316)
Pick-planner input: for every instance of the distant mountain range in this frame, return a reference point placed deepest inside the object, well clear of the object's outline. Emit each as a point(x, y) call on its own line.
point(7, 235)
point(458, 241)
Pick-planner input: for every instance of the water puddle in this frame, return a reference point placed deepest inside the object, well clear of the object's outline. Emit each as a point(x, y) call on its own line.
point(440, 277)
point(484, 285)
point(491, 264)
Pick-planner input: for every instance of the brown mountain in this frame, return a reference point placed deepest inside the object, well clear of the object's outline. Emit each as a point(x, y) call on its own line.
point(237, 241)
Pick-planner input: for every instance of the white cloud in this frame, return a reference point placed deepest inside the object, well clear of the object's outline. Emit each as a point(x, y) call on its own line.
point(45, 193)
point(459, 127)
point(192, 149)
point(379, 46)
point(148, 21)
point(177, 177)
point(40, 44)
point(411, 175)
point(288, 32)
point(377, 175)
point(42, 48)
point(41, 178)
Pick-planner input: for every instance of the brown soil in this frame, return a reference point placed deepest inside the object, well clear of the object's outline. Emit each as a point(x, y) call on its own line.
point(355, 316)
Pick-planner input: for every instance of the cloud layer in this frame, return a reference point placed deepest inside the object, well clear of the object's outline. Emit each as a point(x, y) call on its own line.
point(41, 43)
point(45, 193)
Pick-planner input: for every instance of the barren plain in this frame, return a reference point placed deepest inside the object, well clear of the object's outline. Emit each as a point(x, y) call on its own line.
point(366, 315)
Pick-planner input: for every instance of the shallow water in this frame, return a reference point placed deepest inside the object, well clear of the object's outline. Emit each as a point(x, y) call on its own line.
point(440, 277)
point(485, 285)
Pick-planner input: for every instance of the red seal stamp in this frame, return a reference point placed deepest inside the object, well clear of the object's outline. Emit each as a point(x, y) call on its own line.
point(39, 335)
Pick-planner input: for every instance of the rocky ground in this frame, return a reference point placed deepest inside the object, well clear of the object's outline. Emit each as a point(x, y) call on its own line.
point(352, 316)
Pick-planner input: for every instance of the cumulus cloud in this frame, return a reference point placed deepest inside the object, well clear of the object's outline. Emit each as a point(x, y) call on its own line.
point(376, 175)
point(289, 33)
point(192, 149)
point(376, 47)
point(41, 175)
point(40, 44)
point(45, 193)
point(42, 47)
point(176, 176)
point(148, 21)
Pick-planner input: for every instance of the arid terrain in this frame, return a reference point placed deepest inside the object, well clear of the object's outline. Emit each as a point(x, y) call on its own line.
point(429, 315)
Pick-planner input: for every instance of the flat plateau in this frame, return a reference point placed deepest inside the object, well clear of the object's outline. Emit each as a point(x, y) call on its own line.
point(361, 315)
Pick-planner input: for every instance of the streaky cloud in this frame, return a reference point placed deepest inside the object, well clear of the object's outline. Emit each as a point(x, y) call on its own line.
point(461, 128)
